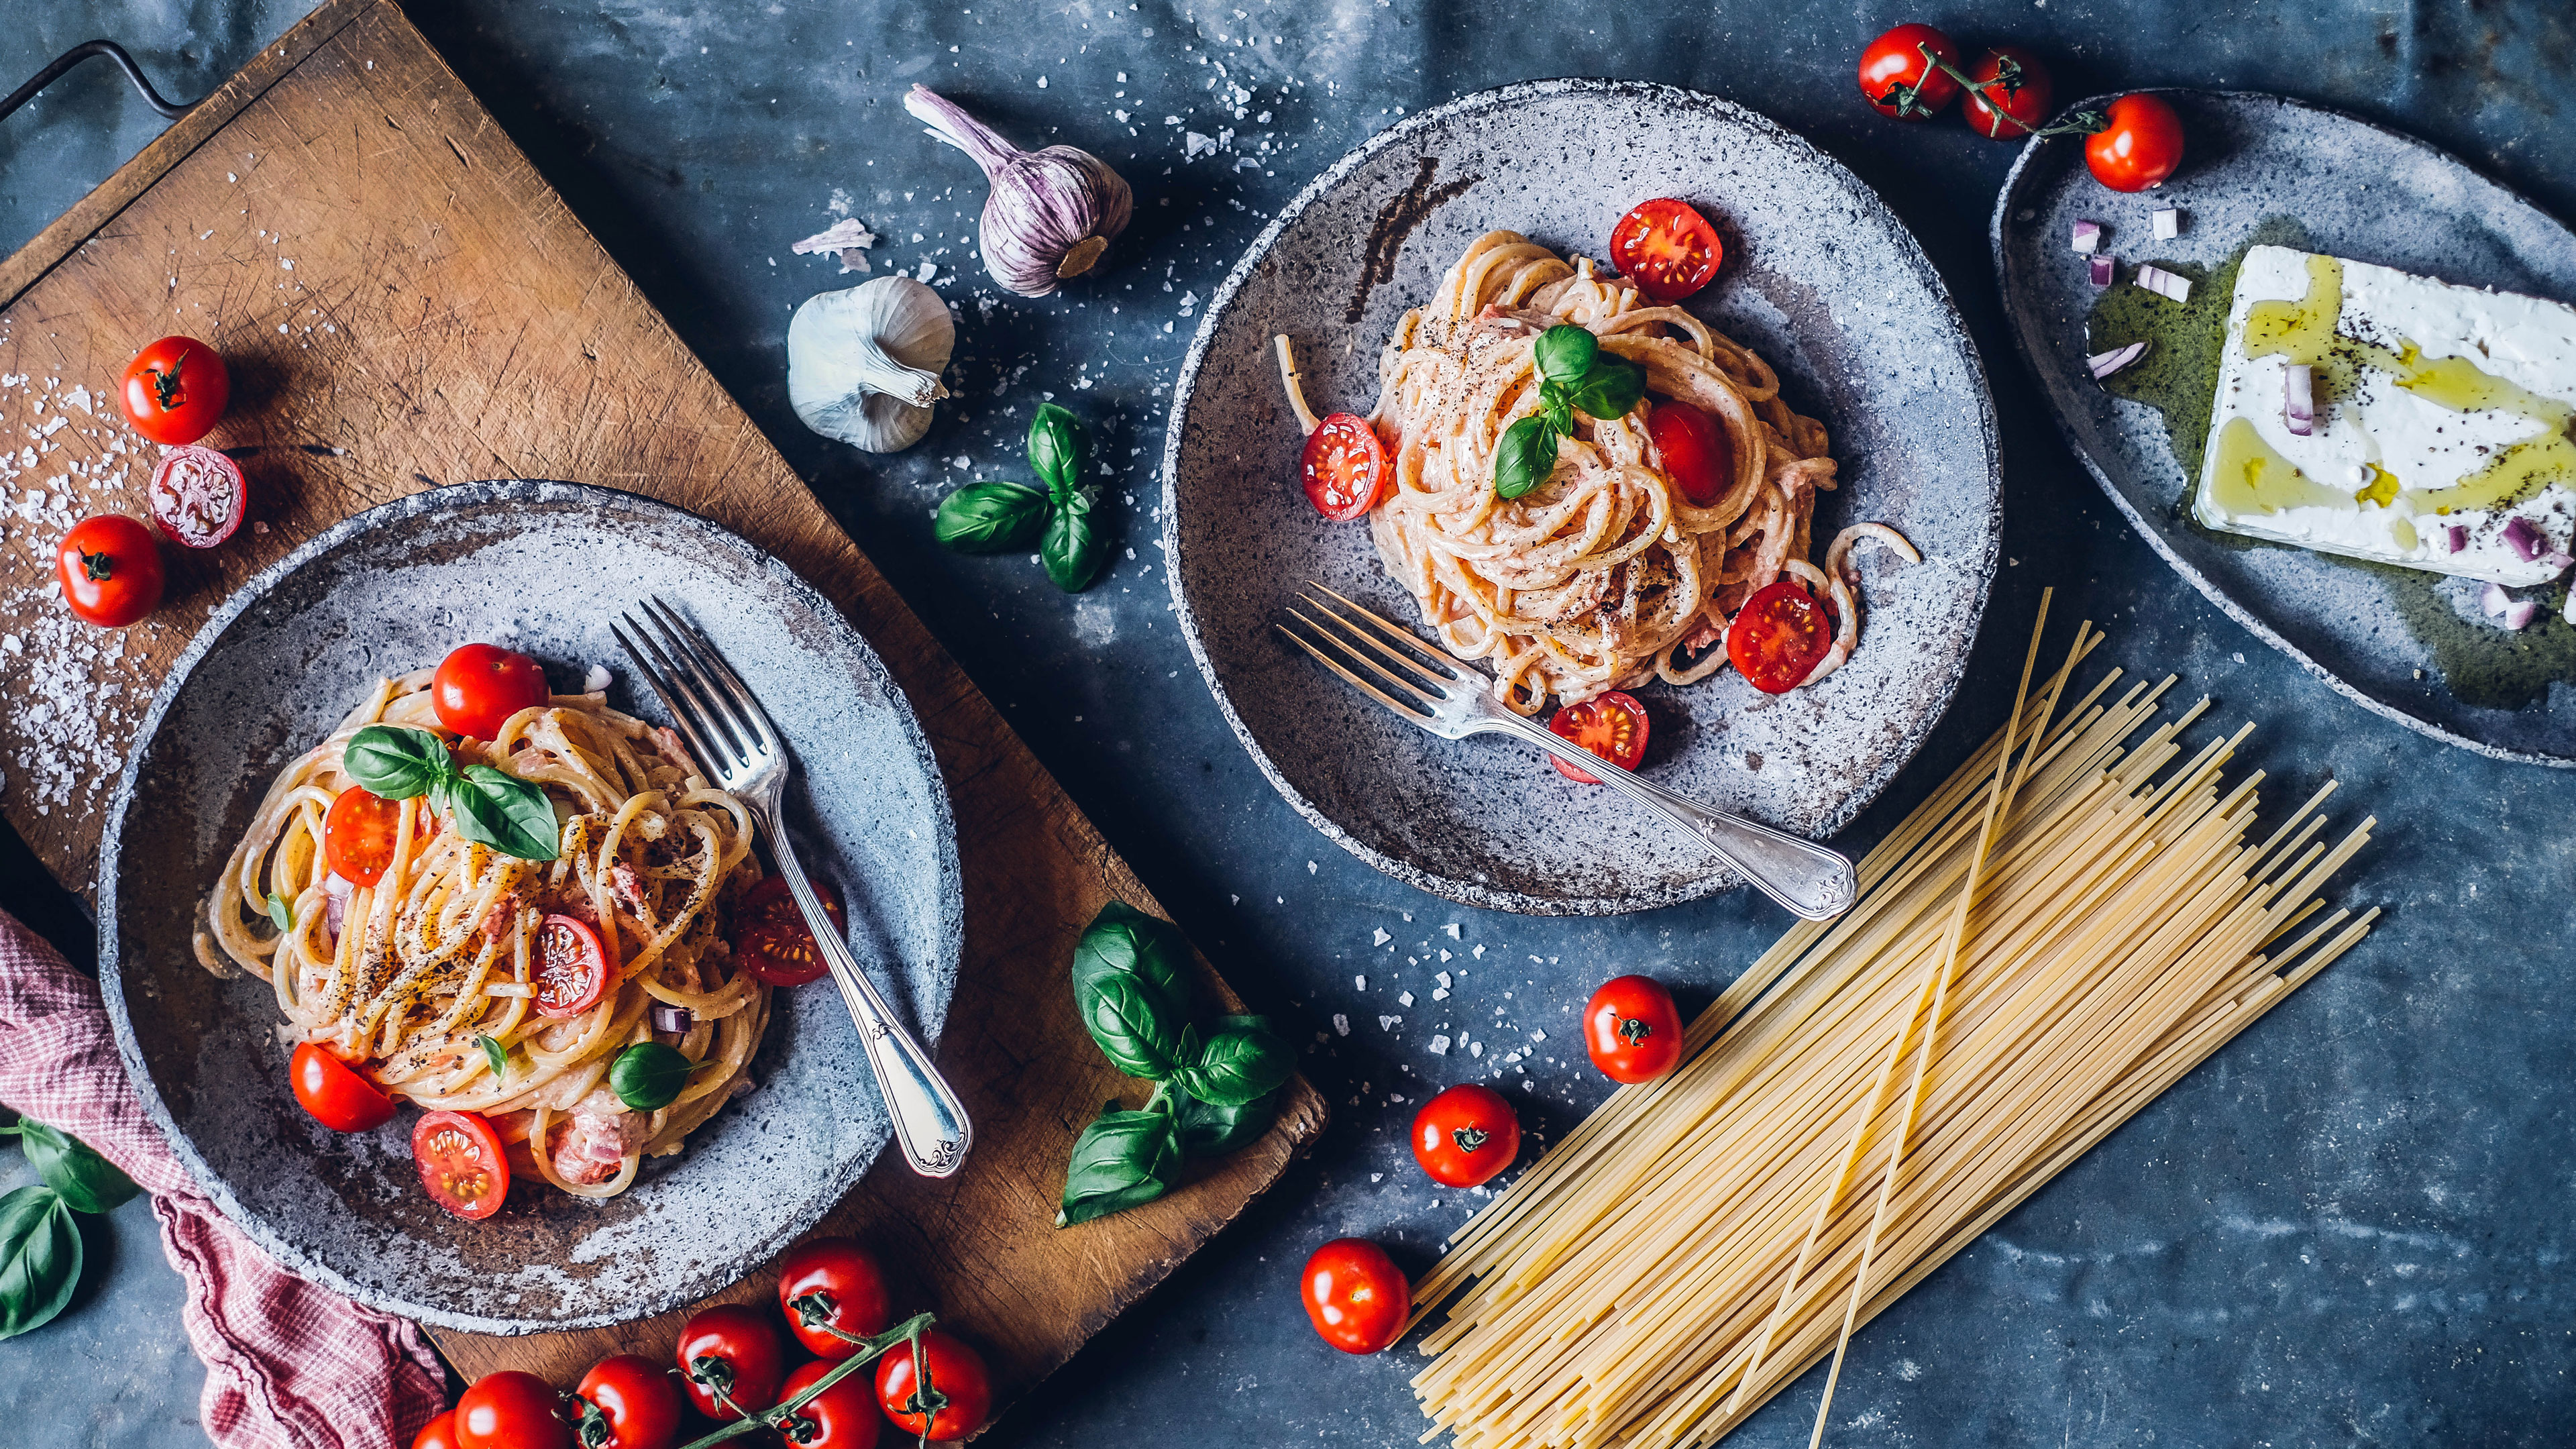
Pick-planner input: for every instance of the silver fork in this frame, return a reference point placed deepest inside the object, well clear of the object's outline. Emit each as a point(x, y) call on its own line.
point(1430, 691)
point(730, 734)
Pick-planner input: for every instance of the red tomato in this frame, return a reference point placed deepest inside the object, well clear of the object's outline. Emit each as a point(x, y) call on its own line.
point(461, 1163)
point(479, 686)
point(358, 835)
point(337, 1097)
point(1900, 82)
point(198, 496)
point(956, 1373)
point(110, 570)
point(636, 1404)
point(843, 1284)
point(841, 1417)
point(2139, 148)
point(1466, 1135)
point(2008, 107)
point(438, 1433)
point(1632, 1029)
point(732, 1349)
point(1667, 248)
point(1356, 1295)
point(1694, 450)
point(770, 938)
point(1777, 637)
point(512, 1409)
point(1611, 725)
point(571, 967)
point(1344, 467)
point(174, 390)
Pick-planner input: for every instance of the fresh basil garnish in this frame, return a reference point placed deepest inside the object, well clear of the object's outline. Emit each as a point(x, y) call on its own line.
point(1121, 1160)
point(281, 912)
point(1072, 548)
point(1565, 352)
point(1207, 1129)
point(1611, 391)
point(495, 808)
point(40, 1259)
point(396, 762)
point(1574, 375)
point(1138, 1033)
point(1526, 456)
point(1055, 450)
point(1235, 1067)
point(88, 1182)
point(648, 1076)
point(1124, 940)
point(496, 1054)
point(993, 517)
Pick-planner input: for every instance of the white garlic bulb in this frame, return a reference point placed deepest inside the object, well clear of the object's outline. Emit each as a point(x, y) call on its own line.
point(863, 365)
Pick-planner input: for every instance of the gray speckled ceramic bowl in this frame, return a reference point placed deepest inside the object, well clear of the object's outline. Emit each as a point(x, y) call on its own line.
point(2405, 644)
point(1819, 276)
point(542, 567)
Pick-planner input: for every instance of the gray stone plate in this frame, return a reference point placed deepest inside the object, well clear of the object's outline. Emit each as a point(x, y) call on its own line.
point(1819, 276)
point(541, 567)
point(2405, 644)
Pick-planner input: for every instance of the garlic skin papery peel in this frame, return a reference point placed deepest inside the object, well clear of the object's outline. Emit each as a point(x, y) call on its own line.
point(863, 365)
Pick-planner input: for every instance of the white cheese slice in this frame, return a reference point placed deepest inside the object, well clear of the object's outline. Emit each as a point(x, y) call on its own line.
point(2442, 414)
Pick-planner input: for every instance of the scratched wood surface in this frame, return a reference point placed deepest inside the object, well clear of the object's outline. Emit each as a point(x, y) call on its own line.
point(403, 303)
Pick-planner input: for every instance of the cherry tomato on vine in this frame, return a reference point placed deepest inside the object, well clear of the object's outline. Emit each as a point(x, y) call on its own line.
point(337, 1097)
point(479, 686)
point(1667, 248)
point(734, 1349)
point(1900, 82)
point(1777, 637)
point(2140, 147)
point(1694, 451)
point(635, 1402)
point(1356, 1295)
point(110, 570)
point(1343, 467)
point(174, 390)
point(842, 1281)
point(571, 968)
point(956, 1373)
point(358, 835)
point(1466, 1135)
point(1632, 1029)
point(438, 1433)
point(843, 1416)
point(2011, 96)
point(1611, 725)
point(511, 1409)
point(198, 496)
point(770, 937)
point(461, 1162)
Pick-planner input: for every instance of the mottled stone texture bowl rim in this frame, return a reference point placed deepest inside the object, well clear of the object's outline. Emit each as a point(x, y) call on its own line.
point(1221, 304)
point(2010, 196)
point(680, 1292)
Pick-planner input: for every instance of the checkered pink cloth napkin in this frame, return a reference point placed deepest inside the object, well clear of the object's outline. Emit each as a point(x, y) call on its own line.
point(288, 1365)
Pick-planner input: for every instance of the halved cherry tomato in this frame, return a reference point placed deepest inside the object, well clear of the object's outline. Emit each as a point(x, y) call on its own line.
point(438, 1433)
point(110, 570)
point(1344, 467)
point(1356, 1295)
point(1777, 637)
point(635, 1402)
point(2008, 107)
point(1667, 248)
point(358, 835)
point(198, 496)
point(461, 1163)
point(2140, 147)
point(1632, 1029)
point(841, 1281)
point(512, 1409)
point(733, 1349)
point(571, 967)
point(843, 1416)
point(957, 1374)
point(174, 390)
point(1611, 725)
point(479, 686)
point(1694, 450)
point(770, 938)
point(337, 1097)
point(1899, 82)
point(1466, 1135)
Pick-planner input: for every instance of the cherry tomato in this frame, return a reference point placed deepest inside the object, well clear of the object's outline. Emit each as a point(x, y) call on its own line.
point(842, 1280)
point(174, 390)
point(1897, 79)
point(571, 967)
point(512, 1409)
point(438, 1433)
point(1694, 451)
point(358, 835)
point(1777, 637)
point(197, 496)
point(1356, 1295)
point(110, 570)
point(636, 1403)
point(1632, 1029)
point(479, 686)
point(461, 1163)
point(2009, 100)
point(1611, 725)
point(1466, 1135)
point(1667, 248)
point(1344, 467)
point(2139, 148)
point(956, 1373)
point(770, 938)
point(337, 1097)
point(734, 1348)
point(843, 1416)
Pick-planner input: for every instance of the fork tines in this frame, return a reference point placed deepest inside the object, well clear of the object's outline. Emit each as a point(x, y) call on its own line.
point(1339, 629)
point(723, 723)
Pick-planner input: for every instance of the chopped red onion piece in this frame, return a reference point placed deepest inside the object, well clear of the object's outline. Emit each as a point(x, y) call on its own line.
point(2526, 540)
point(2518, 612)
point(2298, 399)
point(2103, 364)
point(2088, 236)
point(2168, 223)
point(667, 1017)
point(2492, 599)
point(2164, 284)
point(2558, 559)
point(2458, 536)
point(2102, 266)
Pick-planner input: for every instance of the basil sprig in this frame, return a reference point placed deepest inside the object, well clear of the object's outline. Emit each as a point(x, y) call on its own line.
point(648, 1076)
point(489, 806)
point(1000, 516)
point(40, 1245)
point(1574, 376)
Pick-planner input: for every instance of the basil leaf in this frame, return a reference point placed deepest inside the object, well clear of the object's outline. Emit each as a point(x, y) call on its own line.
point(1209, 1130)
point(1557, 407)
point(40, 1259)
point(1124, 940)
point(990, 517)
point(283, 913)
point(1136, 1031)
point(1120, 1160)
point(88, 1182)
point(495, 1053)
point(1238, 1066)
point(1072, 549)
point(1564, 353)
point(511, 815)
point(1526, 458)
point(1055, 451)
point(396, 762)
point(648, 1076)
point(1612, 389)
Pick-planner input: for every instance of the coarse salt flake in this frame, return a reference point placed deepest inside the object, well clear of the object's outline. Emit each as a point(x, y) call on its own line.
point(1402, 998)
point(1341, 1024)
point(1379, 937)
point(1440, 1048)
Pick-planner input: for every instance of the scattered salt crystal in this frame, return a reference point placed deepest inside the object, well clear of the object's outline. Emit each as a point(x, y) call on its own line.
point(1310, 865)
point(1538, 1033)
point(1445, 956)
point(1341, 1024)
point(1476, 951)
point(1404, 999)
point(1440, 993)
point(1377, 1177)
point(1361, 982)
point(1442, 978)
point(928, 271)
point(1379, 937)
point(1475, 1049)
point(1454, 931)
point(1439, 1048)
point(1389, 1023)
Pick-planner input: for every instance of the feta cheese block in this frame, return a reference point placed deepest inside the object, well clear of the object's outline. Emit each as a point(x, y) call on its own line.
point(2441, 416)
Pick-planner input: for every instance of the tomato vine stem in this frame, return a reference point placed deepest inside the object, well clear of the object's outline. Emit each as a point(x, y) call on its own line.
point(870, 1349)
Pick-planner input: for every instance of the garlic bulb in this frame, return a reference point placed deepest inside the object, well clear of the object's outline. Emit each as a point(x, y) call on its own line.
point(863, 365)
point(1052, 212)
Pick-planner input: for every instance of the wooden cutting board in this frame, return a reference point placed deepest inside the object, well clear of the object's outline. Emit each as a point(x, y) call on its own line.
point(404, 303)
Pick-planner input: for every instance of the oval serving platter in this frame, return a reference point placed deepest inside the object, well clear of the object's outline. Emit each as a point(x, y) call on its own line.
point(1819, 277)
point(543, 567)
point(2267, 169)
